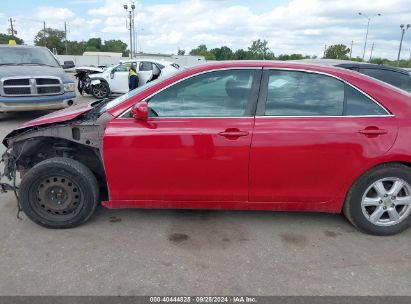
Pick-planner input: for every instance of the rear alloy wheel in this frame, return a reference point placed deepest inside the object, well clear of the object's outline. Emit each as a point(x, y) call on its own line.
point(380, 201)
point(59, 193)
point(101, 90)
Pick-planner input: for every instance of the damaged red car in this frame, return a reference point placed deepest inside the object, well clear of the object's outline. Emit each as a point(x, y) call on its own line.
point(229, 135)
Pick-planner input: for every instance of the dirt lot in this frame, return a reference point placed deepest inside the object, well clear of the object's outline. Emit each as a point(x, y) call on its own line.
point(160, 252)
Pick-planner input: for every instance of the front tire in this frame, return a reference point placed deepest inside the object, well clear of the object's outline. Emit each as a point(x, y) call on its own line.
point(379, 202)
point(101, 90)
point(59, 193)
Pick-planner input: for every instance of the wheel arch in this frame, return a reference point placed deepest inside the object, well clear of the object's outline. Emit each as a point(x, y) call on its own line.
point(370, 168)
point(36, 150)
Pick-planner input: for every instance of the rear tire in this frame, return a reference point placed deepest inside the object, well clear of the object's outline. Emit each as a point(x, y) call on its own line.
point(379, 202)
point(59, 193)
point(101, 90)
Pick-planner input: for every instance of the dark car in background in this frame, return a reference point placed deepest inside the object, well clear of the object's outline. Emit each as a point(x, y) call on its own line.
point(397, 77)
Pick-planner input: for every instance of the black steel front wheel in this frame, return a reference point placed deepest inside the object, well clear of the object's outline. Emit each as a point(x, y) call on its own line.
point(59, 193)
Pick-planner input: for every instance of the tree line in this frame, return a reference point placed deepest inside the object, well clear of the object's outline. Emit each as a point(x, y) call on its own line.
point(54, 39)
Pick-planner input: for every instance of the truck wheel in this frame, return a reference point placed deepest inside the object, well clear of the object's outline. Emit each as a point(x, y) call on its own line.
point(59, 193)
point(101, 90)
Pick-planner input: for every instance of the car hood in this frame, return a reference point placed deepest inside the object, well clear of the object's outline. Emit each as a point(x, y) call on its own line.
point(58, 116)
point(30, 71)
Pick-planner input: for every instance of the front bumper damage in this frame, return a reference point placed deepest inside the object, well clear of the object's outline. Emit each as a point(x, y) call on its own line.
point(9, 172)
point(80, 139)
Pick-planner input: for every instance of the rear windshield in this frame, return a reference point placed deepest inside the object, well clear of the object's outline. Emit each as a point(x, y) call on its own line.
point(27, 56)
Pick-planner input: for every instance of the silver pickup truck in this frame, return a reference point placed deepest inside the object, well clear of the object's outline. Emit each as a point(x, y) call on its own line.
point(31, 78)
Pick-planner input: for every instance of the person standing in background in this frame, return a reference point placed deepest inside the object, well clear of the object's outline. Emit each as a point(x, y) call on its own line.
point(132, 76)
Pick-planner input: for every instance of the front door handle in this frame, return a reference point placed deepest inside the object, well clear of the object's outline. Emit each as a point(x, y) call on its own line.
point(233, 133)
point(372, 131)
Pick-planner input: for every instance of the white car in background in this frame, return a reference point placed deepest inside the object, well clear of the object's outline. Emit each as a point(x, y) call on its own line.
point(115, 79)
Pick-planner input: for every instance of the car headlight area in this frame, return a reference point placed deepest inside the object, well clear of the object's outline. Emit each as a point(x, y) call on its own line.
point(69, 87)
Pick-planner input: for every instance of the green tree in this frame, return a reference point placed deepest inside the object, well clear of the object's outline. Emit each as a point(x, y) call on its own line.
point(52, 38)
point(337, 51)
point(292, 57)
point(242, 55)
point(181, 52)
point(116, 46)
point(259, 50)
point(94, 44)
point(4, 39)
point(76, 47)
point(358, 59)
point(202, 50)
point(92, 48)
point(223, 53)
point(378, 60)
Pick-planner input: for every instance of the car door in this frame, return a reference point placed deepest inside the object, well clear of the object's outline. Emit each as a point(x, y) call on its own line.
point(145, 72)
point(312, 134)
point(119, 78)
point(195, 145)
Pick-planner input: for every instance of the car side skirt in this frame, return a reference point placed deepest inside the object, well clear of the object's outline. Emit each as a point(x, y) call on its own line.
point(329, 207)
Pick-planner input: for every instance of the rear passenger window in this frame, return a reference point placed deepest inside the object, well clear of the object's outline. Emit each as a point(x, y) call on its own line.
point(293, 93)
point(358, 104)
point(146, 66)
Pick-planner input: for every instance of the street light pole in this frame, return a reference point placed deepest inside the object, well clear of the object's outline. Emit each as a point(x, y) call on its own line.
point(366, 34)
point(352, 43)
point(403, 29)
point(125, 6)
point(133, 7)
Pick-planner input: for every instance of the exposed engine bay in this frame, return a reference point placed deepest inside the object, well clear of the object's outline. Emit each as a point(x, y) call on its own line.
point(84, 81)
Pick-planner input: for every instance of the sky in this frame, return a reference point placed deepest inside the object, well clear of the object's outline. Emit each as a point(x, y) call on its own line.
point(163, 26)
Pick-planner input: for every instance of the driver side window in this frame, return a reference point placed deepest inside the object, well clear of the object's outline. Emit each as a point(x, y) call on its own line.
point(122, 68)
point(214, 94)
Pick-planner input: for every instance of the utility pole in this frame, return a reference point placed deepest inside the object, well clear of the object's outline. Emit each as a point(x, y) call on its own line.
point(44, 33)
point(12, 27)
point(131, 36)
point(403, 29)
point(352, 43)
point(366, 34)
point(65, 35)
point(325, 50)
point(372, 49)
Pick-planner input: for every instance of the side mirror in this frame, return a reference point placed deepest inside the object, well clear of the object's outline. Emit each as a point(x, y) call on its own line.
point(112, 74)
point(68, 64)
point(140, 111)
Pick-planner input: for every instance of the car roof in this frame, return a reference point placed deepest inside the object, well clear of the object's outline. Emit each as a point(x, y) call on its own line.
point(147, 59)
point(352, 64)
point(268, 64)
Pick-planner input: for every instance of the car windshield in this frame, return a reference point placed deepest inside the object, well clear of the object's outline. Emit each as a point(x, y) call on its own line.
point(26, 56)
point(130, 94)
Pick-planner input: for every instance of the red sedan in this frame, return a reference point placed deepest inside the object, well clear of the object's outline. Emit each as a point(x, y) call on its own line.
point(229, 135)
